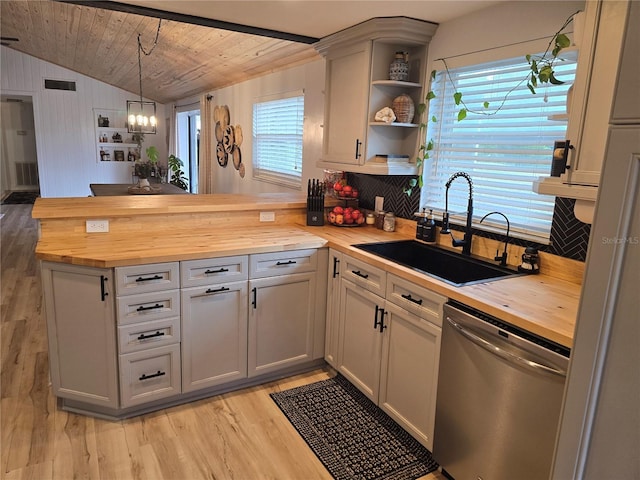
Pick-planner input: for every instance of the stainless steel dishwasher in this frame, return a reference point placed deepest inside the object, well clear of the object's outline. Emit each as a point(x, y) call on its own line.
point(499, 397)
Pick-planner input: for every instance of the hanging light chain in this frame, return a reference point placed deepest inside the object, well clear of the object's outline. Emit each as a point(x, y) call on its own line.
point(142, 50)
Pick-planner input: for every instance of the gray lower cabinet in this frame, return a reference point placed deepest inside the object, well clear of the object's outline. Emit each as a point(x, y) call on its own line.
point(81, 324)
point(149, 332)
point(389, 344)
point(282, 309)
point(122, 340)
point(333, 308)
point(214, 345)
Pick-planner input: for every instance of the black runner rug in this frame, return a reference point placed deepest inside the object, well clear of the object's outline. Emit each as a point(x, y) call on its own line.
point(352, 437)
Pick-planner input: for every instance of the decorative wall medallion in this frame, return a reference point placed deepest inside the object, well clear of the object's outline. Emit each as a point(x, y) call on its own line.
point(229, 139)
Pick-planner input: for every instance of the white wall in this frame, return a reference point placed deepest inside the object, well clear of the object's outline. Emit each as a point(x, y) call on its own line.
point(240, 98)
point(64, 125)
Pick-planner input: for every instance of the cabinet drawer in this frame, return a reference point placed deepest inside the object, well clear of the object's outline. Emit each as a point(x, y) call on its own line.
point(149, 375)
point(415, 299)
point(148, 306)
point(147, 278)
point(364, 275)
point(212, 271)
point(145, 335)
point(282, 263)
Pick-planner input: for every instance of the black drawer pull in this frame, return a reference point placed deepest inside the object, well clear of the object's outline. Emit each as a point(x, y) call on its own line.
point(360, 274)
point(414, 300)
point(220, 270)
point(144, 309)
point(142, 336)
point(144, 376)
point(217, 290)
point(103, 288)
point(155, 277)
point(290, 262)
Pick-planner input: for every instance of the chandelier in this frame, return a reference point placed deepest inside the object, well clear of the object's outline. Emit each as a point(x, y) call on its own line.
point(141, 115)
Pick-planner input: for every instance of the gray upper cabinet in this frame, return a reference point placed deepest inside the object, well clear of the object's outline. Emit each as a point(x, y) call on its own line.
point(357, 86)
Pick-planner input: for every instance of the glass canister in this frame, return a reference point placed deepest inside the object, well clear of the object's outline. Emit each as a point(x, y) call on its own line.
point(370, 219)
point(380, 220)
point(399, 68)
point(389, 222)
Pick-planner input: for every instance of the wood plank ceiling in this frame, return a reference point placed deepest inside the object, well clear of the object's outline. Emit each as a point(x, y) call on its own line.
point(102, 44)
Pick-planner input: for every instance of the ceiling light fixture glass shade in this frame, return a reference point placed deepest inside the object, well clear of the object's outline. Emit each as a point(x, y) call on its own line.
point(141, 117)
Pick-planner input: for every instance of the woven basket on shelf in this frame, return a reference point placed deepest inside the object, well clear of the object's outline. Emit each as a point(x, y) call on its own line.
point(404, 108)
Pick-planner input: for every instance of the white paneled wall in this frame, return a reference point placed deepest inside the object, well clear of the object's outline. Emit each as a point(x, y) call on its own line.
point(240, 98)
point(64, 124)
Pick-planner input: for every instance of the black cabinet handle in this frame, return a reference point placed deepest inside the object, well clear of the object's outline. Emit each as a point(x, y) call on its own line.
point(144, 309)
point(144, 376)
point(255, 297)
point(381, 324)
point(216, 290)
point(358, 143)
point(142, 336)
point(360, 274)
point(155, 277)
point(290, 262)
point(103, 288)
point(417, 301)
point(335, 267)
point(220, 270)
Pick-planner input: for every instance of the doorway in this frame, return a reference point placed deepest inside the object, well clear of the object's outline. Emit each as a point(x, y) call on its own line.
point(18, 155)
point(188, 145)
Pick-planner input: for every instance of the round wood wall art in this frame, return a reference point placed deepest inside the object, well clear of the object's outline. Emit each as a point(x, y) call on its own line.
point(216, 113)
point(225, 116)
point(228, 139)
point(219, 131)
point(222, 156)
point(241, 170)
point(238, 134)
point(237, 157)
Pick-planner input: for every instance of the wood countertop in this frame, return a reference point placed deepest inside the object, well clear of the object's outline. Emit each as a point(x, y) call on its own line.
point(542, 304)
point(128, 205)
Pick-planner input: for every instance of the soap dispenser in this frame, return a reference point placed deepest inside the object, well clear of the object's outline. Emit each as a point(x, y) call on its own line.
point(429, 229)
point(421, 224)
point(530, 261)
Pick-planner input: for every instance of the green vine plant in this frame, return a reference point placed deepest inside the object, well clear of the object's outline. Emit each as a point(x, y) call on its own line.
point(541, 71)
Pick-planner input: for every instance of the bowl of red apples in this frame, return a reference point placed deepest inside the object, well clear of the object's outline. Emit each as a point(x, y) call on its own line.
point(342, 190)
point(345, 217)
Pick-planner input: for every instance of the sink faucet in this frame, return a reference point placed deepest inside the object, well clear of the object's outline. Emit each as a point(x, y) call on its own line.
point(465, 243)
point(502, 258)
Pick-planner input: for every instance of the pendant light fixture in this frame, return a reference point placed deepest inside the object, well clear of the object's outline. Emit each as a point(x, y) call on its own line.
point(141, 115)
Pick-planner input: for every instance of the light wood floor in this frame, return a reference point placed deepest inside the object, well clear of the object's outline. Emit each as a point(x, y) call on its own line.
point(240, 435)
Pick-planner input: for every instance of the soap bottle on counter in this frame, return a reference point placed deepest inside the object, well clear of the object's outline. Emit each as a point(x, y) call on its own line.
point(429, 228)
point(421, 224)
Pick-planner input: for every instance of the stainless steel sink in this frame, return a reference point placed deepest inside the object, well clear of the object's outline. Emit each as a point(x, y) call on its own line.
point(451, 267)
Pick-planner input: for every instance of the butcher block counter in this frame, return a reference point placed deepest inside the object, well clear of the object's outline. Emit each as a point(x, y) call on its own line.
point(152, 229)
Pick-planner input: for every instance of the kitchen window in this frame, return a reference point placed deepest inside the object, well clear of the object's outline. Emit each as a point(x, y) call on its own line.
point(503, 153)
point(277, 139)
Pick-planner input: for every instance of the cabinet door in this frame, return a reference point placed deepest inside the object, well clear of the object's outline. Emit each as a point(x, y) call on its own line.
point(626, 108)
point(409, 372)
point(347, 89)
point(281, 316)
point(214, 335)
point(359, 339)
point(81, 324)
point(333, 309)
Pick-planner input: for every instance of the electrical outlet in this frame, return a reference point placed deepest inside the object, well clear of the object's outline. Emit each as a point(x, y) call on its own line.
point(97, 226)
point(267, 216)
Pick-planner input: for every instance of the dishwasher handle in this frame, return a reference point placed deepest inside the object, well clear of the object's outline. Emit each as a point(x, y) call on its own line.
point(511, 357)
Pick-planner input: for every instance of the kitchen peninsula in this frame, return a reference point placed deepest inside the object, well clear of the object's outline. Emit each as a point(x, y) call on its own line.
point(171, 243)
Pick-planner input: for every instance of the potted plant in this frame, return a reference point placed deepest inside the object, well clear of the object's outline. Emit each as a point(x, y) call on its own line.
point(177, 175)
point(144, 170)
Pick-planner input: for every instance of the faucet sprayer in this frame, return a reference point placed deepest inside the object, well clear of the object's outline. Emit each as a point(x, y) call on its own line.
point(465, 243)
point(502, 258)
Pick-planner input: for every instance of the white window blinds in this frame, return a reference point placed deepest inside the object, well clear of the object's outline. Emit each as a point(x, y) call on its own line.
point(503, 153)
point(277, 140)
